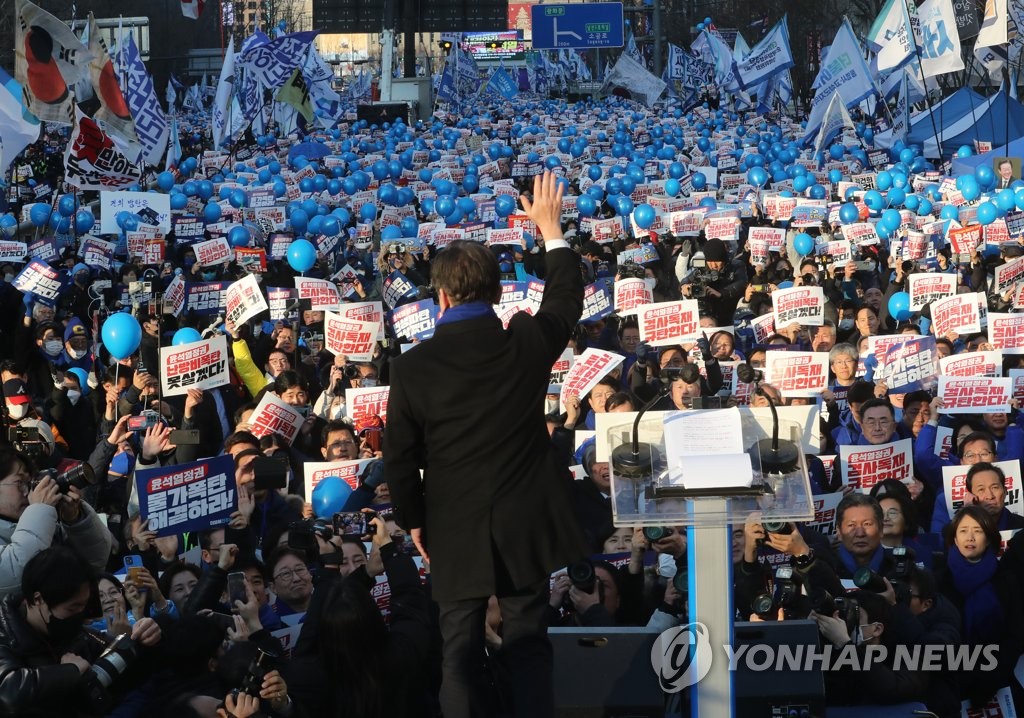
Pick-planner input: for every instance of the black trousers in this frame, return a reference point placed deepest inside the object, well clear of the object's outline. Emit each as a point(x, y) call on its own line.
point(525, 658)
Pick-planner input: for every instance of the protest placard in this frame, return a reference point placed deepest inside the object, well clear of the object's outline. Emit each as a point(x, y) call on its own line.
point(631, 293)
point(188, 228)
point(597, 300)
point(1009, 274)
point(972, 364)
point(958, 314)
point(561, 367)
point(190, 497)
point(366, 402)
point(352, 338)
point(38, 279)
point(253, 259)
point(1017, 376)
point(862, 234)
point(998, 706)
point(153, 207)
point(984, 395)
point(213, 252)
point(954, 486)
point(1006, 332)
point(684, 223)
point(279, 299)
point(398, 289)
point(668, 323)
point(864, 466)
point(965, 240)
point(638, 255)
point(205, 298)
point(586, 372)
point(774, 237)
point(196, 365)
point(348, 471)
point(797, 373)
point(414, 321)
point(273, 416)
point(824, 521)
point(510, 236)
point(909, 365)
point(925, 288)
point(799, 305)
point(321, 293)
point(244, 300)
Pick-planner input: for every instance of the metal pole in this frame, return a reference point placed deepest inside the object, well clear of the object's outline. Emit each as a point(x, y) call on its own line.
point(657, 38)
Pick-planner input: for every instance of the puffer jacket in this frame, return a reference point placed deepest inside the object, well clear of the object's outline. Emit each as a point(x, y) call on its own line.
point(33, 682)
point(39, 529)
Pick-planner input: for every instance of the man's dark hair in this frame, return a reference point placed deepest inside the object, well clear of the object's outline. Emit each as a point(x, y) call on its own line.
point(279, 553)
point(354, 541)
point(288, 379)
point(57, 574)
point(334, 426)
point(467, 272)
point(980, 467)
point(851, 501)
point(916, 397)
point(922, 582)
point(250, 406)
point(116, 373)
point(976, 436)
point(240, 437)
point(869, 308)
point(206, 538)
point(875, 403)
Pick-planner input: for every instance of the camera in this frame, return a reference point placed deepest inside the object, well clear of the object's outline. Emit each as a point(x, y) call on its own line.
point(582, 575)
point(867, 579)
point(908, 266)
point(777, 527)
point(808, 279)
point(899, 576)
point(144, 421)
point(26, 440)
point(849, 611)
point(700, 280)
point(302, 535)
point(351, 371)
point(258, 669)
point(117, 657)
point(80, 476)
point(631, 270)
point(657, 533)
point(787, 596)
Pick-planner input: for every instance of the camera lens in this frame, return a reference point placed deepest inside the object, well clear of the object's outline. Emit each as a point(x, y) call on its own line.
point(762, 604)
point(681, 582)
point(777, 527)
point(582, 575)
point(655, 533)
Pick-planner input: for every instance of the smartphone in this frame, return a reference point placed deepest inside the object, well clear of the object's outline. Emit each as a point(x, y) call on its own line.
point(133, 567)
point(184, 437)
point(352, 523)
point(270, 472)
point(405, 545)
point(144, 421)
point(236, 588)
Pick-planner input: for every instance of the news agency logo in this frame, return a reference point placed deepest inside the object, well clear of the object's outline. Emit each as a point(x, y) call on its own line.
point(681, 656)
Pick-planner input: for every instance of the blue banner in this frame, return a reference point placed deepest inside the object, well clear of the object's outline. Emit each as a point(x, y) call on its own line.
point(274, 62)
point(150, 122)
point(414, 321)
point(206, 298)
point(188, 497)
point(503, 84)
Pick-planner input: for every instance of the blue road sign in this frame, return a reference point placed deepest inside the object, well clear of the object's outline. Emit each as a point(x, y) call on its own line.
point(579, 25)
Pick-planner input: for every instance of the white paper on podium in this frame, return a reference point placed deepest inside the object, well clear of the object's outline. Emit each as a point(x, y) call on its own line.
point(705, 450)
point(699, 433)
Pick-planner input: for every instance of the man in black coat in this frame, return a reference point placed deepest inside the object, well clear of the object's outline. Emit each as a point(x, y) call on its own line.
point(492, 511)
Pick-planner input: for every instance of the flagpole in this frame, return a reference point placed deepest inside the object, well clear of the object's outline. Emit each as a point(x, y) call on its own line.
point(927, 98)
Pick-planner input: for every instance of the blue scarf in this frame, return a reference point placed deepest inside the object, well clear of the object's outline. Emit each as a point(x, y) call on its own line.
point(851, 563)
point(469, 310)
point(983, 613)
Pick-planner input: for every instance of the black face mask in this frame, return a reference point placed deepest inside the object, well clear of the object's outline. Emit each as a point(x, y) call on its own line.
point(64, 630)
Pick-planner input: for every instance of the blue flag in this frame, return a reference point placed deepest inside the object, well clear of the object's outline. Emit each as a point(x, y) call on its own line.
point(503, 84)
point(274, 62)
point(150, 121)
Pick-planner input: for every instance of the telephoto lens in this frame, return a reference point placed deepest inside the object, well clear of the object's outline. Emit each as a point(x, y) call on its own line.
point(582, 576)
point(657, 533)
point(118, 656)
point(777, 527)
point(867, 579)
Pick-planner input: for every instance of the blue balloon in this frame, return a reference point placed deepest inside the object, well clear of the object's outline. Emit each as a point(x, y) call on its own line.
point(185, 335)
point(121, 335)
point(899, 306)
point(237, 198)
point(409, 226)
point(211, 212)
point(330, 226)
point(987, 213)
point(239, 236)
point(803, 243)
point(368, 212)
point(699, 181)
point(644, 215)
point(586, 205)
point(391, 232)
point(300, 221)
point(329, 496)
point(504, 205)
point(623, 205)
point(873, 200)
point(178, 200)
point(672, 187)
point(165, 181)
point(848, 213)
point(66, 205)
point(84, 221)
point(301, 255)
point(39, 214)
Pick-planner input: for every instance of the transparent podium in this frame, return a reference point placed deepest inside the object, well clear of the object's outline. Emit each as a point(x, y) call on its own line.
point(679, 470)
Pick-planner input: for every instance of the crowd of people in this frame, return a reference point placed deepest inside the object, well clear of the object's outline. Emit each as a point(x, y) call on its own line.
point(192, 624)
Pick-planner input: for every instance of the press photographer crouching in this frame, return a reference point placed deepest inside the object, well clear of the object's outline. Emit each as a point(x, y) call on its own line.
point(35, 514)
point(50, 665)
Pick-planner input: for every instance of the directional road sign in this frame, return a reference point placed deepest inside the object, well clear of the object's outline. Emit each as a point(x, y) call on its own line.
point(577, 25)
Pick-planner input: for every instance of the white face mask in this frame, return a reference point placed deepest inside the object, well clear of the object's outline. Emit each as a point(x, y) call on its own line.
point(17, 411)
point(8, 278)
point(77, 353)
point(53, 347)
point(368, 381)
point(74, 395)
point(845, 325)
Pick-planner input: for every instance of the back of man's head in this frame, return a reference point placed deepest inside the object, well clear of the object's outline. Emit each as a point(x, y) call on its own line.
point(56, 573)
point(467, 272)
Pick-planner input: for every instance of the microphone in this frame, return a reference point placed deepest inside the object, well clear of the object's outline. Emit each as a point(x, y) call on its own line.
point(777, 456)
point(633, 460)
point(212, 329)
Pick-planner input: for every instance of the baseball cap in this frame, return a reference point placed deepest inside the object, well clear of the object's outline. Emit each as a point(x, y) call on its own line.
point(15, 391)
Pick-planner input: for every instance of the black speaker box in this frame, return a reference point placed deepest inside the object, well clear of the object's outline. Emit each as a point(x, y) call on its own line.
point(377, 113)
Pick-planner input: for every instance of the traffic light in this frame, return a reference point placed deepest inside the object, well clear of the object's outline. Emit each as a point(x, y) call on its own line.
point(446, 45)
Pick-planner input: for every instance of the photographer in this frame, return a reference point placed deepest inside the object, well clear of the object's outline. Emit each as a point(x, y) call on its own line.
point(719, 285)
point(35, 516)
point(593, 590)
point(46, 621)
point(347, 662)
